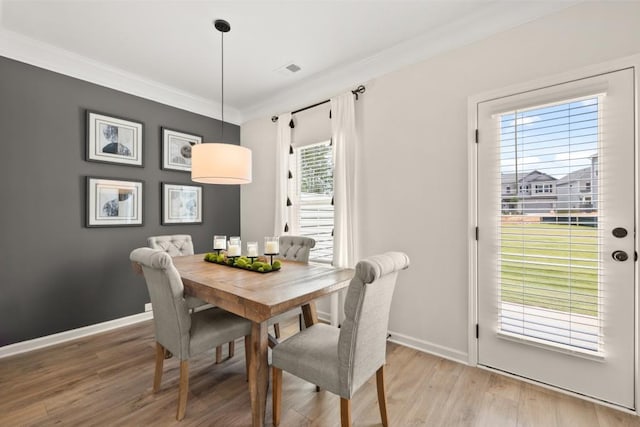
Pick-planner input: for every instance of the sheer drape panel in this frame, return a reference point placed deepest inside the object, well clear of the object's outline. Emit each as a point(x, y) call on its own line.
point(345, 149)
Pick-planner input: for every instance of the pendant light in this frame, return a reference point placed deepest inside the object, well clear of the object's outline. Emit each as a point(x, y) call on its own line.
point(219, 163)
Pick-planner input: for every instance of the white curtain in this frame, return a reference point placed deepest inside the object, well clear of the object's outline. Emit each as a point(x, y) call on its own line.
point(284, 215)
point(345, 150)
point(345, 147)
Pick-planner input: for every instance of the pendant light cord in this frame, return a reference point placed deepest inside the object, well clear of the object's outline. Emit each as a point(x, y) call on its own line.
point(222, 89)
point(224, 27)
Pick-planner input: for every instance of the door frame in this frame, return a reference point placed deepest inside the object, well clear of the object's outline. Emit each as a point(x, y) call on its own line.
point(472, 123)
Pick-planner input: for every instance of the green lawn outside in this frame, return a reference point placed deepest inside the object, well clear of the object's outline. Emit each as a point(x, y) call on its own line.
point(557, 263)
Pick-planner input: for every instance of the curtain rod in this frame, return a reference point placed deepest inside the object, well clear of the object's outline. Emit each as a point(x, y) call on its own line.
point(357, 91)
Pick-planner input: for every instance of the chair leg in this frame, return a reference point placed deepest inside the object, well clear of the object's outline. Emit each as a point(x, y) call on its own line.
point(184, 389)
point(345, 412)
point(276, 328)
point(218, 354)
point(157, 378)
point(277, 395)
point(382, 400)
point(232, 348)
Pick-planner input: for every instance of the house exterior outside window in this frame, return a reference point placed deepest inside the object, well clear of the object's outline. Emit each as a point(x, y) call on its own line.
point(314, 187)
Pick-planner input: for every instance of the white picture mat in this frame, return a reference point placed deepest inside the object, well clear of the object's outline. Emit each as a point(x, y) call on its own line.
point(113, 202)
point(181, 204)
point(129, 138)
point(176, 149)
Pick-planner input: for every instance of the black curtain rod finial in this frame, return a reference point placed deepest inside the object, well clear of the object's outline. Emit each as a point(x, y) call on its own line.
point(357, 91)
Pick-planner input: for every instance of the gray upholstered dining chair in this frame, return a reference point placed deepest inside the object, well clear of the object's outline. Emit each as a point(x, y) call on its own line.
point(342, 360)
point(296, 248)
point(293, 248)
point(174, 245)
point(181, 245)
point(177, 329)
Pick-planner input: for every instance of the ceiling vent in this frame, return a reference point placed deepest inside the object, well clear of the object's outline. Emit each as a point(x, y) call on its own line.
point(288, 69)
point(293, 68)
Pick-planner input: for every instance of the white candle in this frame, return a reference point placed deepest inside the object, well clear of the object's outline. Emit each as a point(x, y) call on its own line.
point(252, 249)
point(234, 250)
point(271, 248)
point(219, 243)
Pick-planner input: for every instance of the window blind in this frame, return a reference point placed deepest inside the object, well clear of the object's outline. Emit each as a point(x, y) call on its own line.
point(315, 193)
point(549, 270)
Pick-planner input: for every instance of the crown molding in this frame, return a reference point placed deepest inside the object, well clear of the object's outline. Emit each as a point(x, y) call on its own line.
point(30, 51)
point(490, 20)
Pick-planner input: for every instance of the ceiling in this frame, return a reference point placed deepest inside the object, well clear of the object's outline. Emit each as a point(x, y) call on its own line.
point(170, 49)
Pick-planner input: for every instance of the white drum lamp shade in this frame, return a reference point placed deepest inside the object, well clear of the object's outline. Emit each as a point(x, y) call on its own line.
point(220, 164)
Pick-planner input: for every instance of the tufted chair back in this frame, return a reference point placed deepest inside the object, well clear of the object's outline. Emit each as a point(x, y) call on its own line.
point(363, 334)
point(170, 313)
point(296, 248)
point(174, 245)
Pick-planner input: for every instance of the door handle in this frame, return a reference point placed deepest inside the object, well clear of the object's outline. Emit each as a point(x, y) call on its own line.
point(620, 256)
point(619, 232)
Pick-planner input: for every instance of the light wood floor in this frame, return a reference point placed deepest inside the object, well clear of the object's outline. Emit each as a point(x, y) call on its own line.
point(105, 380)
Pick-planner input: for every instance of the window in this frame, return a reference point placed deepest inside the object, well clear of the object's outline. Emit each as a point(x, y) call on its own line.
point(508, 190)
point(544, 188)
point(551, 268)
point(315, 194)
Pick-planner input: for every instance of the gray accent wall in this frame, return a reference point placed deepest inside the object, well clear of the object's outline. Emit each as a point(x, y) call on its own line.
point(56, 274)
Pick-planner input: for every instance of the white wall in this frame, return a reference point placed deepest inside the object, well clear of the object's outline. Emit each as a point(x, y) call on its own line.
point(414, 162)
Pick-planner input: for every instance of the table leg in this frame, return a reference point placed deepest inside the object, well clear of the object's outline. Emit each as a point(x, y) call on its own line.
point(309, 313)
point(258, 372)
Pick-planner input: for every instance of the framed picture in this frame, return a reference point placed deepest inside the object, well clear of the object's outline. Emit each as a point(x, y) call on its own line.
point(176, 149)
point(114, 140)
point(113, 203)
point(181, 204)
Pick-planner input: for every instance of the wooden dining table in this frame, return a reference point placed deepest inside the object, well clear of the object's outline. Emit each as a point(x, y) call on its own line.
point(259, 297)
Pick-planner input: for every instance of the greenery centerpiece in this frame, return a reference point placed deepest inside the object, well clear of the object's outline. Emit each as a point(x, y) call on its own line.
point(259, 264)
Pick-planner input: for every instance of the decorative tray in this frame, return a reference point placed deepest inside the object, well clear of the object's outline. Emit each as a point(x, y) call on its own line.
point(255, 264)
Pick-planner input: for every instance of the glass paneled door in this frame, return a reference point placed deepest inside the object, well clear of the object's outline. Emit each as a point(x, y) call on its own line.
point(556, 200)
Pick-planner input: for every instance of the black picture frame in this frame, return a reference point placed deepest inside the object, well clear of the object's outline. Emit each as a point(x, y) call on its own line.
point(176, 148)
point(114, 139)
point(114, 202)
point(180, 203)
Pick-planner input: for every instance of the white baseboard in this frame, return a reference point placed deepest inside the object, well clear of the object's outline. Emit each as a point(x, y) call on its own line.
point(431, 348)
point(61, 337)
point(416, 344)
point(49, 340)
point(324, 316)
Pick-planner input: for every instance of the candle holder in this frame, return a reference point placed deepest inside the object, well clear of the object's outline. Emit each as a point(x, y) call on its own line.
point(252, 251)
point(271, 247)
point(234, 248)
point(219, 244)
